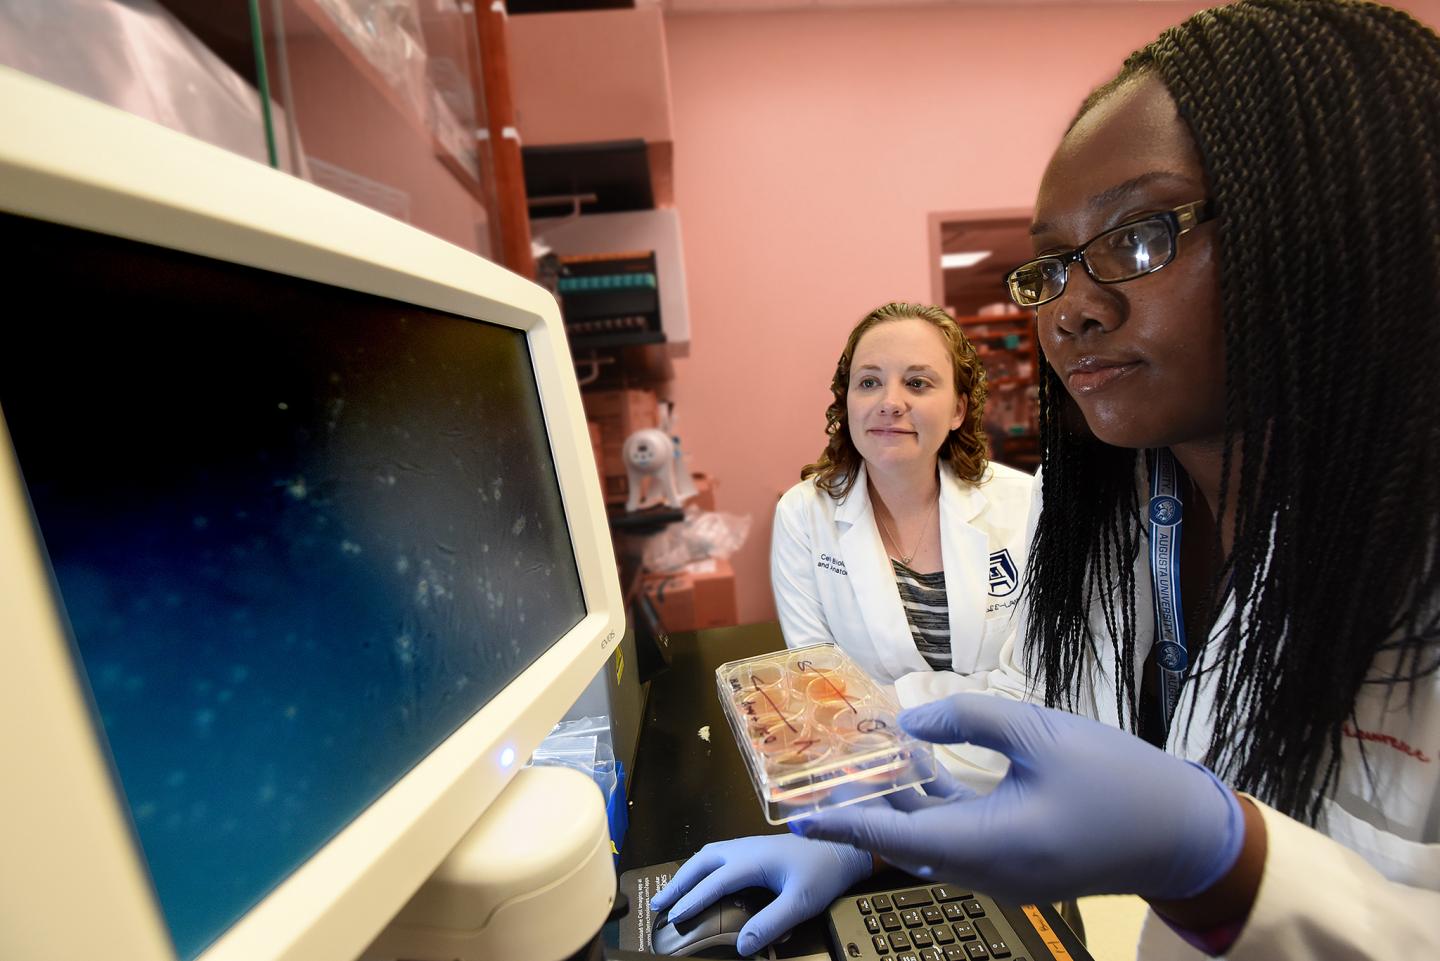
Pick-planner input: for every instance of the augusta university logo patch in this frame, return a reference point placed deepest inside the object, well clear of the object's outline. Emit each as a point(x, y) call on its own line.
point(1003, 576)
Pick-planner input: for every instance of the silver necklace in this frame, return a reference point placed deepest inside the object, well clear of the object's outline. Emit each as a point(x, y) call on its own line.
point(895, 541)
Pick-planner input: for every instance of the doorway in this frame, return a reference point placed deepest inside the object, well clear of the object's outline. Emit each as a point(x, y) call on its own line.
point(970, 254)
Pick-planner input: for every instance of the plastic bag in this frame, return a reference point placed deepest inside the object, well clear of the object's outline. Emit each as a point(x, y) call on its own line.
point(139, 57)
point(585, 745)
point(701, 535)
point(387, 33)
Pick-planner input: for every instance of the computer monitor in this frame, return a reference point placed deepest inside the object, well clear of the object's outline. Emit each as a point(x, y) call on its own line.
point(302, 548)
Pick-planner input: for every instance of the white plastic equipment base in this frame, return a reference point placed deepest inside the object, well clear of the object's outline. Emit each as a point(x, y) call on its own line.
point(533, 879)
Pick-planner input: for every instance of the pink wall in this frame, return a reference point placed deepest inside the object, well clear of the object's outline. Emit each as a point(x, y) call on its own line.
point(809, 149)
point(590, 76)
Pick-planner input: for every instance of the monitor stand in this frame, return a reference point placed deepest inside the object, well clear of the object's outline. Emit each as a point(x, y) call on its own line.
point(534, 879)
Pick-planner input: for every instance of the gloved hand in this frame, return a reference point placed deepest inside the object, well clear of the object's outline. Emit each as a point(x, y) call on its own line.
point(805, 875)
point(1084, 809)
point(944, 787)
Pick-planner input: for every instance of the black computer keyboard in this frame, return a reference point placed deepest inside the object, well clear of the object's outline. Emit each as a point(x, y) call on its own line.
point(947, 922)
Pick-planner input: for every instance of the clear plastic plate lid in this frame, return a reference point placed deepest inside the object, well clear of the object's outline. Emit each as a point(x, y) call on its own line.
point(816, 732)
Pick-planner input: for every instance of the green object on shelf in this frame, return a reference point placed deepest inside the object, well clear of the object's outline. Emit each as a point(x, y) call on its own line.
point(263, 75)
point(571, 285)
point(1018, 430)
point(1012, 341)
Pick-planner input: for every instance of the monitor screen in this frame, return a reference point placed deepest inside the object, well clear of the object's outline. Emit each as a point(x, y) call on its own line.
point(300, 535)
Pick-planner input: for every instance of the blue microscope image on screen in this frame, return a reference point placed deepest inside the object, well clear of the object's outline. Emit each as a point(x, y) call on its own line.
point(301, 535)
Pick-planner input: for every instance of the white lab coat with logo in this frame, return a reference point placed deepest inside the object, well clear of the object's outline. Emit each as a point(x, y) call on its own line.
point(833, 581)
point(1367, 883)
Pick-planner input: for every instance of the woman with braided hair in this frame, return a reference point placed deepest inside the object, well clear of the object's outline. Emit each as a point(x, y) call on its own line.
point(1237, 287)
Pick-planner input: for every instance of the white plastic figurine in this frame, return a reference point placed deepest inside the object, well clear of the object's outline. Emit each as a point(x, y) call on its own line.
point(650, 466)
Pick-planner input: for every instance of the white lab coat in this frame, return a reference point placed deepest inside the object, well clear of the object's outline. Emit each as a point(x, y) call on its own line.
point(833, 581)
point(1367, 883)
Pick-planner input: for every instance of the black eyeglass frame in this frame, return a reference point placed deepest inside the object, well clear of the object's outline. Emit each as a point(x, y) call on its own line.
point(1180, 220)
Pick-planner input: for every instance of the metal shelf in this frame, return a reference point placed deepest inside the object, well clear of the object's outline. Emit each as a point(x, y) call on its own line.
point(642, 522)
point(624, 338)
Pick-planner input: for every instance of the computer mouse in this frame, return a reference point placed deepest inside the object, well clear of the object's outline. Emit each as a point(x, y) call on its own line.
point(711, 933)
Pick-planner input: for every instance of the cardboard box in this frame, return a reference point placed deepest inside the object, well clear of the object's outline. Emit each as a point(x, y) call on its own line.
point(704, 492)
point(618, 414)
point(696, 599)
point(615, 490)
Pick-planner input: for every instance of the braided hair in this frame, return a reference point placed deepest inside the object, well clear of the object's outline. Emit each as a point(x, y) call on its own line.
point(1318, 126)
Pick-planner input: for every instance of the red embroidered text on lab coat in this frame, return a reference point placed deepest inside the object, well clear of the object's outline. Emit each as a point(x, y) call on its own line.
point(1382, 738)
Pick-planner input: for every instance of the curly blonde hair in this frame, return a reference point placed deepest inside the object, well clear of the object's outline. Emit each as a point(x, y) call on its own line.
point(965, 447)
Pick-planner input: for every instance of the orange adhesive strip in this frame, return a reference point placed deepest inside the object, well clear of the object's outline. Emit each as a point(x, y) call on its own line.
point(1047, 933)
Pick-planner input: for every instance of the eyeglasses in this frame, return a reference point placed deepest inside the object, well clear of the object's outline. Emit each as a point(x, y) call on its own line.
point(1119, 254)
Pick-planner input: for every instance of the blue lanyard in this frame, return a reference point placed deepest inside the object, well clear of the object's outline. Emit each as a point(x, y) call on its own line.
point(1166, 514)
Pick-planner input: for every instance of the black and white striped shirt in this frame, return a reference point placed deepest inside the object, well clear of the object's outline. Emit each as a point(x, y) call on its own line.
point(923, 597)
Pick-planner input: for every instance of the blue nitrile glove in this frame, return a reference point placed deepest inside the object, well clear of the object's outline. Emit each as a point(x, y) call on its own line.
point(1084, 809)
point(943, 788)
point(805, 875)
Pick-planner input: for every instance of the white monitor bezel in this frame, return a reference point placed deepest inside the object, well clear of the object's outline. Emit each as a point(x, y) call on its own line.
point(73, 881)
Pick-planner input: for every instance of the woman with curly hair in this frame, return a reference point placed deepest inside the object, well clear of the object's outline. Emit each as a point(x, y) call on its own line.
point(901, 544)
